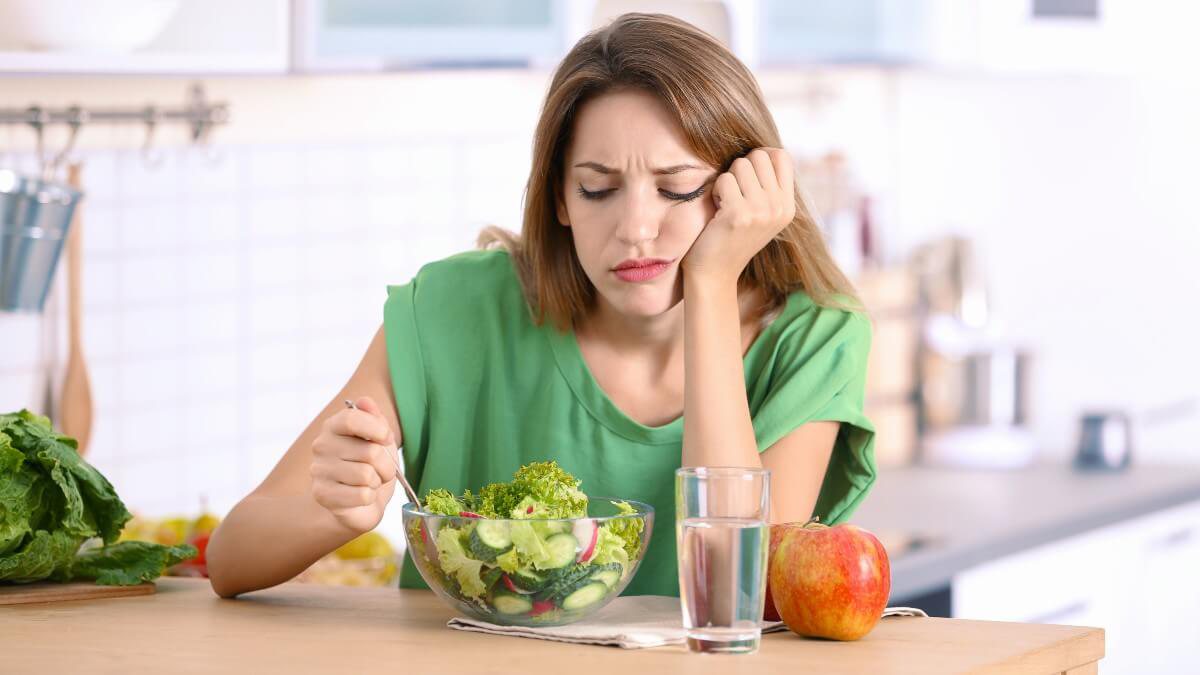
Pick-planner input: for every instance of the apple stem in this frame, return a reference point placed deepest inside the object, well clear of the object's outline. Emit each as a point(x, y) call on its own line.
point(814, 523)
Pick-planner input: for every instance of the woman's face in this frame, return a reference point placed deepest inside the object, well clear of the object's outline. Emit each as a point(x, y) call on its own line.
point(635, 198)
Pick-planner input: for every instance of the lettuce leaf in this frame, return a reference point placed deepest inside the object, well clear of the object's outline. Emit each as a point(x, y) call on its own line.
point(529, 545)
point(610, 547)
point(628, 529)
point(52, 501)
point(554, 493)
point(441, 501)
point(455, 561)
point(509, 562)
point(125, 563)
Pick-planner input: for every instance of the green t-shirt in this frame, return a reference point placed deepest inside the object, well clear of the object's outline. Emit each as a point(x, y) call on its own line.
point(481, 390)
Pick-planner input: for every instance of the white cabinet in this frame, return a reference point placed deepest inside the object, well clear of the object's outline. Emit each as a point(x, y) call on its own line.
point(1136, 579)
point(1163, 592)
point(201, 37)
point(1001, 36)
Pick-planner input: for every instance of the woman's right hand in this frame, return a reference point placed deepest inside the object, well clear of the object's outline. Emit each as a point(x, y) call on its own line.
point(353, 475)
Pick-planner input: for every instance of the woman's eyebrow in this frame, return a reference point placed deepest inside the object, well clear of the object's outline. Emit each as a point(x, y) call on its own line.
point(664, 171)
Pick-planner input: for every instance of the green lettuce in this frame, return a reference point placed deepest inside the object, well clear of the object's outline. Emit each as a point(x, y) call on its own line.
point(455, 561)
point(126, 562)
point(508, 561)
point(610, 547)
point(552, 491)
point(529, 545)
point(441, 501)
point(628, 529)
point(52, 502)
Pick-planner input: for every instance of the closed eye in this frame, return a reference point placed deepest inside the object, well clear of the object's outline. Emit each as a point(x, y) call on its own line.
point(675, 196)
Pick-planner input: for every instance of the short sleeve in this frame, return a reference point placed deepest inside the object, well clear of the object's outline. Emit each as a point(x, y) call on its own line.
point(406, 367)
point(819, 374)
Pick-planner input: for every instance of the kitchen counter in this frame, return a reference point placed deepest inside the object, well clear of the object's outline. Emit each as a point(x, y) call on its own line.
point(301, 628)
point(967, 517)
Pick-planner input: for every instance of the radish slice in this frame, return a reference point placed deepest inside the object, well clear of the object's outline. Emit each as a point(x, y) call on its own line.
point(541, 607)
point(586, 533)
point(469, 514)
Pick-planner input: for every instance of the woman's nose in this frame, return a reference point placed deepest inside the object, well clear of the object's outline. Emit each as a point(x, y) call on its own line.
point(637, 224)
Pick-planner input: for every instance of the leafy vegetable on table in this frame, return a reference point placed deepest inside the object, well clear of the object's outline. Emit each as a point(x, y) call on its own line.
point(52, 502)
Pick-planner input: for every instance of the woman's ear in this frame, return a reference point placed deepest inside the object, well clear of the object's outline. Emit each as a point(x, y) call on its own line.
point(561, 211)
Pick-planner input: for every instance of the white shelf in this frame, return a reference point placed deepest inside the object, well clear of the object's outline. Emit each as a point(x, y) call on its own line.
point(139, 63)
point(204, 37)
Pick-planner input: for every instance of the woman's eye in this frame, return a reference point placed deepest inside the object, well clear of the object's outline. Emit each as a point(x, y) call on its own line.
point(683, 197)
point(594, 194)
point(676, 196)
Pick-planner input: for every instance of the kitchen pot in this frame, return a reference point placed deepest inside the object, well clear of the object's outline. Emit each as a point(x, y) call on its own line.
point(35, 215)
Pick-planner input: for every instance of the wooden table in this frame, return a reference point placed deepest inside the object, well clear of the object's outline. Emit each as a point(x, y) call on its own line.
point(301, 628)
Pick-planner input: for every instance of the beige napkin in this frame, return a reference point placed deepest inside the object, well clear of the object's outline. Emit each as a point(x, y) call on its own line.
point(629, 622)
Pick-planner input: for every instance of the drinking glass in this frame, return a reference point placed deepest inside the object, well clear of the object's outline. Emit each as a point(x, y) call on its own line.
point(722, 533)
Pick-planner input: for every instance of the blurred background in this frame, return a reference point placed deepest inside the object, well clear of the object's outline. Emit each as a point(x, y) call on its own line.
point(1008, 183)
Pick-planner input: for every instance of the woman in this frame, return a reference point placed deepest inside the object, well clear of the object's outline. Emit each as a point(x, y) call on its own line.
point(669, 302)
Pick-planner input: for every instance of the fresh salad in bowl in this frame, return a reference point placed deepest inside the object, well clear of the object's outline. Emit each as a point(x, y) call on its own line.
point(533, 551)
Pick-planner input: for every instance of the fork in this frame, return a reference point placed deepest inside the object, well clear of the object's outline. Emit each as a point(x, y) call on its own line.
point(412, 494)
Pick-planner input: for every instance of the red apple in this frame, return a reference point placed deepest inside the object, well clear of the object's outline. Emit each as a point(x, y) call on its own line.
point(829, 582)
point(769, 611)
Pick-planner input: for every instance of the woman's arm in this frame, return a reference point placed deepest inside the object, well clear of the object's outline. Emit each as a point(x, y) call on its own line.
point(755, 200)
point(281, 528)
point(717, 429)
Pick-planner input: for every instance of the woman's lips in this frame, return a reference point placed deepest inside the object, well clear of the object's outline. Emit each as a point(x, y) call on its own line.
point(641, 272)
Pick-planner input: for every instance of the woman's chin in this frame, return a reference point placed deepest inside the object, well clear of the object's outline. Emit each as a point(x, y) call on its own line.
point(645, 302)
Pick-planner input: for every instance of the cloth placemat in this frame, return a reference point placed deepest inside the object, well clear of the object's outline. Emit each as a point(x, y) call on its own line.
point(629, 622)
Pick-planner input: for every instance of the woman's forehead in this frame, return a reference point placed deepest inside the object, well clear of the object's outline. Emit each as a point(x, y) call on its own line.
point(613, 127)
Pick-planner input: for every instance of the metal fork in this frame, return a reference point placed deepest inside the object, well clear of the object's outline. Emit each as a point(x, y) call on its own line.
point(412, 494)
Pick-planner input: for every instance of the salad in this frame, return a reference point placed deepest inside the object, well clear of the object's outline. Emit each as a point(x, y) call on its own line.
point(527, 548)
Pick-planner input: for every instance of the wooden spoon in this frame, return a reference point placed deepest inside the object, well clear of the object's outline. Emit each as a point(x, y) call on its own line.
point(76, 406)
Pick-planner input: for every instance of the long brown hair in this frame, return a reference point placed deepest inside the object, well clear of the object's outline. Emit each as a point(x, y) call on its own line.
point(721, 109)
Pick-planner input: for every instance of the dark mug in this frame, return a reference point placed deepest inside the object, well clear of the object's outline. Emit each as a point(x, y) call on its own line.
point(1105, 441)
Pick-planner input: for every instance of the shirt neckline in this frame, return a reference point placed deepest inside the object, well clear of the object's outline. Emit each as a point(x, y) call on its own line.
point(569, 357)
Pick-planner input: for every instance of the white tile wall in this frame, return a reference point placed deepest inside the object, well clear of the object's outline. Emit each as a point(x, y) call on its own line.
point(225, 302)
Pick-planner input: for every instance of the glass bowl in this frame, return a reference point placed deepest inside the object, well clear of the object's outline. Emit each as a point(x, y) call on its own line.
point(529, 572)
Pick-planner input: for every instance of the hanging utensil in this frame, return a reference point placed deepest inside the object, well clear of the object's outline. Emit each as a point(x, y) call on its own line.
point(76, 403)
point(35, 214)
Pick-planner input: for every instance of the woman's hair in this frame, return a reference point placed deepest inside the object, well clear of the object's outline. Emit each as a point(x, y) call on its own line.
point(721, 110)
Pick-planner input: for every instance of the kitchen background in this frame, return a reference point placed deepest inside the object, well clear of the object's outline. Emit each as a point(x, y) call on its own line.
point(1022, 169)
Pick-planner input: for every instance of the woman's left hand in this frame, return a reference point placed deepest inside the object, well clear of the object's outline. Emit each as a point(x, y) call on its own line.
point(755, 200)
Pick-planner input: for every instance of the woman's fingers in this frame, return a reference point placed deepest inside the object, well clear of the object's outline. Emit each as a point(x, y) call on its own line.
point(764, 168)
point(353, 474)
point(333, 495)
point(784, 170)
point(726, 192)
point(361, 424)
point(747, 178)
point(372, 455)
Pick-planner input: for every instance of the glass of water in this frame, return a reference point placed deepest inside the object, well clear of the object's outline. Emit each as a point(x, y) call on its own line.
point(721, 529)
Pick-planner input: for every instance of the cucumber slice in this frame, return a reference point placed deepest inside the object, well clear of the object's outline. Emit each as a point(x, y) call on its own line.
point(586, 596)
point(608, 577)
point(564, 581)
point(511, 603)
point(562, 548)
point(494, 533)
point(480, 549)
point(528, 579)
point(491, 576)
